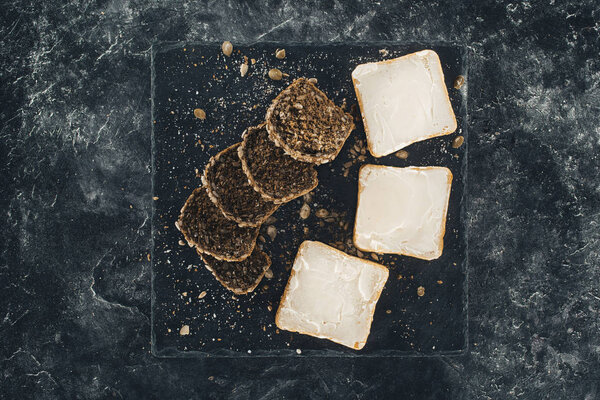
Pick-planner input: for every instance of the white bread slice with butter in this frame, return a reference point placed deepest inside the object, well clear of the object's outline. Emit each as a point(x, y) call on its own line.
point(402, 210)
point(403, 101)
point(331, 295)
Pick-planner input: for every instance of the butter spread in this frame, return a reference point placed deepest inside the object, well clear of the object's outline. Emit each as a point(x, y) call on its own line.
point(402, 210)
point(331, 295)
point(403, 101)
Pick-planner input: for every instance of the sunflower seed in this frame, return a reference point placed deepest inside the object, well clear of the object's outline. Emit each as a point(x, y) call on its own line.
point(243, 69)
point(459, 81)
point(199, 113)
point(227, 48)
point(280, 54)
point(458, 141)
point(275, 74)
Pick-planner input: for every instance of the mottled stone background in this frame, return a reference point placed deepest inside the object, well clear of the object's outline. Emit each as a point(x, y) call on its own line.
point(75, 200)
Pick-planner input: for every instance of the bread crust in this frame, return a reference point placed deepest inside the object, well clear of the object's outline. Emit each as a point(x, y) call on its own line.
point(450, 130)
point(357, 345)
point(440, 247)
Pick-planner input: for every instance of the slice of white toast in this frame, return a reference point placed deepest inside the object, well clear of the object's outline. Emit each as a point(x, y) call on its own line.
point(331, 295)
point(402, 101)
point(402, 210)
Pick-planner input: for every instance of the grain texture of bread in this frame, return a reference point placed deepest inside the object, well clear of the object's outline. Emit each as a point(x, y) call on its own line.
point(306, 124)
point(240, 277)
point(271, 172)
point(229, 189)
point(206, 228)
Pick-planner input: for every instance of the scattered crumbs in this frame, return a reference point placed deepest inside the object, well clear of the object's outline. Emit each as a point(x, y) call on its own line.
point(185, 330)
point(458, 141)
point(184, 294)
point(458, 82)
point(200, 113)
point(440, 282)
point(155, 198)
point(420, 291)
point(402, 154)
point(304, 211)
point(298, 351)
point(271, 231)
point(384, 52)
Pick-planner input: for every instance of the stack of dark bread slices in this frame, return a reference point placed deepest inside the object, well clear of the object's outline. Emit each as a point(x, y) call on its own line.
point(245, 183)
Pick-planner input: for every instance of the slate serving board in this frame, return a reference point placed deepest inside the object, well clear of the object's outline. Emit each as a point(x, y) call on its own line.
point(192, 75)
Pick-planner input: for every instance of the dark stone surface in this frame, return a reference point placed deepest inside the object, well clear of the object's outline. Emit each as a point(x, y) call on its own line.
point(75, 179)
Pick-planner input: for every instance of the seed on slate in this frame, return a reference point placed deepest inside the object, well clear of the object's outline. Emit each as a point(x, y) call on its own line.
point(459, 81)
point(253, 61)
point(313, 80)
point(202, 295)
point(402, 154)
point(420, 291)
point(275, 74)
point(304, 211)
point(388, 311)
point(280, 54)
point(359, 253)
point(322, 213)
point(181, 243)
point(374, 257)
point(271, 231)
point(458, 141)
point(227, 48)
point(243, 69)
point(199, 113)
point(269, 274)
point(348, 164)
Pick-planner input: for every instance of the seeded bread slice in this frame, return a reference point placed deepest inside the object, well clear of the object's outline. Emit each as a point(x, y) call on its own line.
point(228, 188)
point(272, 173)
point(306, 124)
point(204, 227)
point(240, 277)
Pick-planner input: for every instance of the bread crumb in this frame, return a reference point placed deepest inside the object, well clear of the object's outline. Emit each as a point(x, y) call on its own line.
point(304, 211)
point(269, 307)
point(155, 198)
point(184, 294)
point(185, 330)
point(271, 231)
point(384, 52)
point(202, 295)
point(402, 154)
point(420, 291)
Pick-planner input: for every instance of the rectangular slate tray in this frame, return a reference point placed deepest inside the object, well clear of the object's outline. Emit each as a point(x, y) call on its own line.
point(192, 75)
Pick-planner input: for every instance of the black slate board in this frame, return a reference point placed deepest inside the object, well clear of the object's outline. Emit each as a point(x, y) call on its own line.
point(188, 76)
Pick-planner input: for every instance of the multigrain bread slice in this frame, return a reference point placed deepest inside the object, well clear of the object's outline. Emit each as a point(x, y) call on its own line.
point(240, 277)
point(331, 295)
point(402, 210)
point(403, 101)
point(272, 173)
point(206, 228)
point(306, 124)
point(229, 189)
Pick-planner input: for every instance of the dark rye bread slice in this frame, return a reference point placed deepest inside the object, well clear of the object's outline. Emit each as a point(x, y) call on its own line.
point(228, 188)
point(272, 173)
point(240, 277)
point(204, 227)
point(306, 124)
